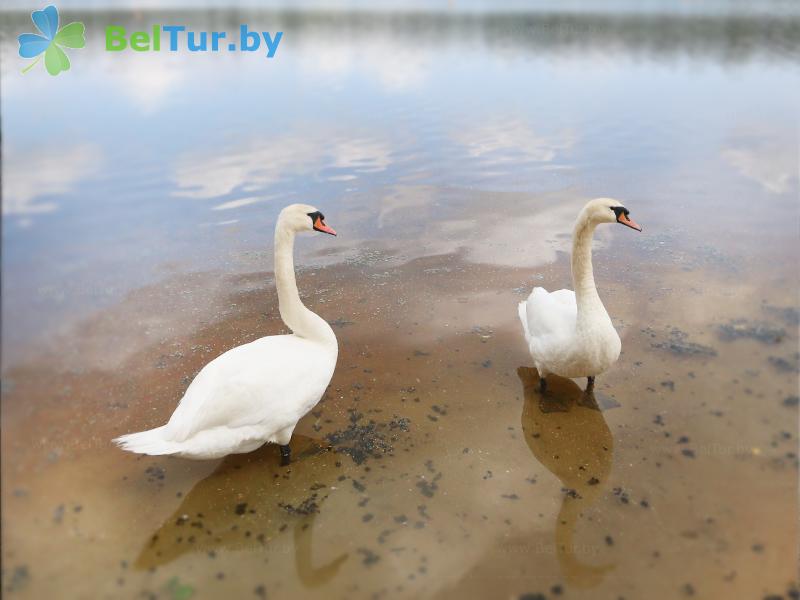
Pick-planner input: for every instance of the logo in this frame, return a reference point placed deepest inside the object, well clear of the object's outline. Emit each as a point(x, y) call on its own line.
point(32, 45)
point(177, 36)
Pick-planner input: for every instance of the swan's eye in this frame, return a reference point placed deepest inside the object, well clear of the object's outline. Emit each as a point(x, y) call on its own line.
point(316, 215)
point(619, 211)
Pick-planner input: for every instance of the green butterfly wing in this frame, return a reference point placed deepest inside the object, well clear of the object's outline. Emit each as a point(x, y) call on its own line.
point(71, 36)
point(55, 60)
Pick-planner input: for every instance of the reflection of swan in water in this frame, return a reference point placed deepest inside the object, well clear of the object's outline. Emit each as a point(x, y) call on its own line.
point(246, 504)
point(569, 436)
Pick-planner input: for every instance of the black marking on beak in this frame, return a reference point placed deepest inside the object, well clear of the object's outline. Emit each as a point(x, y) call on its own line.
point(619, 211)
point(623, 217)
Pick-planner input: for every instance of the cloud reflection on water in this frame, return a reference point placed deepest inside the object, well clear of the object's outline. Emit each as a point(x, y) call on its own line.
point(261, 162)
point(505, 139)
point(768, 156)
point(46, 172)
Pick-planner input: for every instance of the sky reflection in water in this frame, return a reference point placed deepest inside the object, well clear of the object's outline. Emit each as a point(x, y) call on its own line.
point(134, 162)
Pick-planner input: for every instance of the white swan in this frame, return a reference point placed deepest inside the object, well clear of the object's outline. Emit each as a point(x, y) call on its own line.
point(570, 333)
point(257, 392)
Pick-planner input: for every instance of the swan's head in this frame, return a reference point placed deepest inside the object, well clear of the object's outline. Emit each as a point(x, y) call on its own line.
point(304, 217)
point(608, 210)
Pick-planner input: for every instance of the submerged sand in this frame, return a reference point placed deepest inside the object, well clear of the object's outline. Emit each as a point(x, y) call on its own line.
point(432, 467)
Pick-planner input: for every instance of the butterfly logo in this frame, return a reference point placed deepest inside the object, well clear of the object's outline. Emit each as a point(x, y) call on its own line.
point(32, 45)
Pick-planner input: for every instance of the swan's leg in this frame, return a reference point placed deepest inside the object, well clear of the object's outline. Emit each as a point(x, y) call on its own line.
point(542, 385)
point(590, 383)
point(286, 455)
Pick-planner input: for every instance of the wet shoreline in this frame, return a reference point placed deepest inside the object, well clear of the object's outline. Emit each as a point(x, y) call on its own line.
point(418, 448)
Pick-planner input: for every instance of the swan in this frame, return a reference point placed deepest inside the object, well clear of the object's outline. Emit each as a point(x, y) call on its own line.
point(256, 392)
point(570, 333)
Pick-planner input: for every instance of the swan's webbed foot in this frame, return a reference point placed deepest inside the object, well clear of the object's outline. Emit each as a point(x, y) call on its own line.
point(286, 455)
point(590, 383)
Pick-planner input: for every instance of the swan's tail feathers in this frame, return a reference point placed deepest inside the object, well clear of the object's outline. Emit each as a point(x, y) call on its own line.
point(523, 316)
point(151, 442)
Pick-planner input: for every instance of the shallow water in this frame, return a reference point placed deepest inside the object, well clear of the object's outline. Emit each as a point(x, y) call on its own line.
point(451, 150)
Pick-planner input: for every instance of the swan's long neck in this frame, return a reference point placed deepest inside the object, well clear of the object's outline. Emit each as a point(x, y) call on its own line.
point(303, 322)
point(590, 307)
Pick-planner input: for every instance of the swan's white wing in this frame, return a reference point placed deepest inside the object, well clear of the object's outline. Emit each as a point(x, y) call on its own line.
point(269, 383)
point(550, 313)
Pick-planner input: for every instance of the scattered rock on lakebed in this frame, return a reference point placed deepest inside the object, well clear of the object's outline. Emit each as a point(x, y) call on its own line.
point(677, 343)
point(362, 440)
point(754, 330)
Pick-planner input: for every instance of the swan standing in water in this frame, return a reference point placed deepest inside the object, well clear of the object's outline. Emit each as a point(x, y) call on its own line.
point(257, 392)
point(570, 333)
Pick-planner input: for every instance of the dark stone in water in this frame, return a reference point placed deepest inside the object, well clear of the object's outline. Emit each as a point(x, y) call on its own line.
point(786, 365)
point(678, 344)
point(755, 330)
point(401, 423)
point(308, 506)
point(155, 473)
point(370, 558)
point(361, 441)
point(621, 494)
point(19, 578)
point(428, 488)
point(340, 322)
point(791, 401)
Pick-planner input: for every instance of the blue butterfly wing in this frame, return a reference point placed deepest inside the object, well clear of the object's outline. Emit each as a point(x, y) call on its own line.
point(47, 21)
point(31, 45)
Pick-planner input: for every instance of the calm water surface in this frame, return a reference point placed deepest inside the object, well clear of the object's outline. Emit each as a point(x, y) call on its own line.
point(451, 151)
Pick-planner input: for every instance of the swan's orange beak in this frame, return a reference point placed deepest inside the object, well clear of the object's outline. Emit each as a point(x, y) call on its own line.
point(626, 220)
point(319, 225)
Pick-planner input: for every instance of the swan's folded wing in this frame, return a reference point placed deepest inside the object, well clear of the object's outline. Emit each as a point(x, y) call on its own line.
point(566, 297)
point(272, 382)
point(550, 313)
